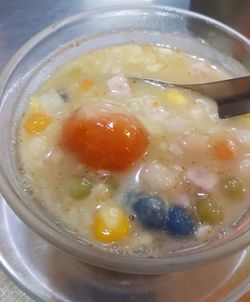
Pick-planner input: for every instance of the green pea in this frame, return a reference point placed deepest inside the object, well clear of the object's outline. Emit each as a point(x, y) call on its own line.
point(78, 188)
point(208, 210)
point(233, 188)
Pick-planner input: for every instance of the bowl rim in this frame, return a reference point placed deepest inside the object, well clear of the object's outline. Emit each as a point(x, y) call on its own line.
point(88, 253)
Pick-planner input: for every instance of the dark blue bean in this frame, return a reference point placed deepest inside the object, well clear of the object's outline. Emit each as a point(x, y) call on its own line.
point(151, 211)
point(179, 221)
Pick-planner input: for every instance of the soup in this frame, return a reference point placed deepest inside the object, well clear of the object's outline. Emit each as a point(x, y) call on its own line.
point(131, 167)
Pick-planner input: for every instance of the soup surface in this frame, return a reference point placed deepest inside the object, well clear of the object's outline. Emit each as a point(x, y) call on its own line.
point(133, 167)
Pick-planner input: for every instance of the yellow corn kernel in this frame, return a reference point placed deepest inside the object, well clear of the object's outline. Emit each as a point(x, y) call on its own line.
point(37, 122)
point(110, 225)
point(175, 98)
point(86, 85)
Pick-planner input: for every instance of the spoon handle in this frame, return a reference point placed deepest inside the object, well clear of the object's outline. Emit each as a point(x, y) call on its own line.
point(219, 90)
point(234, 106)
point(232, 96)
point(222, 90)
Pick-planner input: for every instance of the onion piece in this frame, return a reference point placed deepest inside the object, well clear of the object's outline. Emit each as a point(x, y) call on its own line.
point(202, 178)
point(118, 85)
point(183, 200)
point(203, 232)
point(158, 177)
point(39, 149)
point(209, 106)
point(51, 102)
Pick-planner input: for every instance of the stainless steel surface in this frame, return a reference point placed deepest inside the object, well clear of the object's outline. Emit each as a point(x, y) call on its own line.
point(19, 20)
point(232, 96)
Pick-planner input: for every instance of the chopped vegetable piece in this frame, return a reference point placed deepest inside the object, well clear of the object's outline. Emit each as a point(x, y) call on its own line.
point(78, 188)
point(175, 99)
point(203, 232)
point(208, 210)
point(163, 178)
point(105, 141)
point(233, 188)
point(151, 211)
point(224, 150)
point(51, 102)
point(118, 85)
point(179, 221)
point(110, 224)
point(39, 149)
point(202, 178)
point(37, 122)
point(86, 85)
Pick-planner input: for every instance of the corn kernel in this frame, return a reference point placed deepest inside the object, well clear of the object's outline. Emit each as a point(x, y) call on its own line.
point(175, 99)
point(37, 122)
point(110, 225)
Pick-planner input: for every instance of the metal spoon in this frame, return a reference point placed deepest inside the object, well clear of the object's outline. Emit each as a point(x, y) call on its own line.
point(232, 96)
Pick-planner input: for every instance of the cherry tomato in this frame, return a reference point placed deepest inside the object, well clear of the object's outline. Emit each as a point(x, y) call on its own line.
point(108, 141)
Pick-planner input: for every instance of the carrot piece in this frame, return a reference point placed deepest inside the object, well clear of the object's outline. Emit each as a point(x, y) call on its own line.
point(86, 85)
point(224, 150)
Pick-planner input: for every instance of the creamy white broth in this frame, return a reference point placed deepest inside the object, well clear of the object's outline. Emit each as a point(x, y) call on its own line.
point(181, 162)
